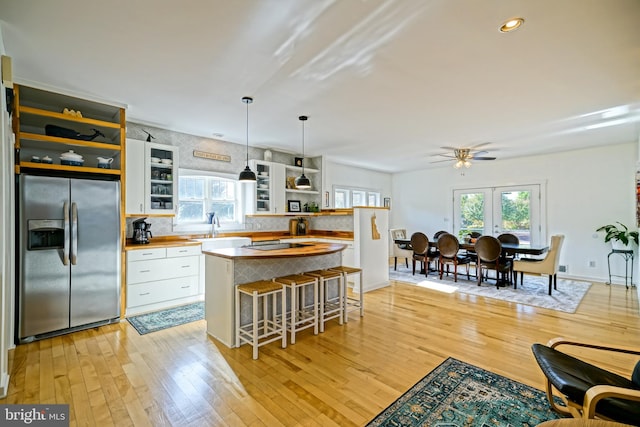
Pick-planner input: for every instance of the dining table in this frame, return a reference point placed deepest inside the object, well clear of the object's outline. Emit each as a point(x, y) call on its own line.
point(507, 248)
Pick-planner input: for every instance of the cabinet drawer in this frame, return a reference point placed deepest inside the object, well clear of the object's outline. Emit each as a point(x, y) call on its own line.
point(184, 251)
point(151, 253)
point(165, 268)
point(162, 290)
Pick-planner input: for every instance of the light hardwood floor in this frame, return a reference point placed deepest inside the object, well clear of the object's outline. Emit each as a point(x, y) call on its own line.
point(343, 377)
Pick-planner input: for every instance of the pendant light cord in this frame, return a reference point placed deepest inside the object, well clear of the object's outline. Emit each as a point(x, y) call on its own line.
point(303, 146)
point(247, 103)
point(303, 119)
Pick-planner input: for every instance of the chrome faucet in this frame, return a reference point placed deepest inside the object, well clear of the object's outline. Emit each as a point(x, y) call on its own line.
point(213, 220)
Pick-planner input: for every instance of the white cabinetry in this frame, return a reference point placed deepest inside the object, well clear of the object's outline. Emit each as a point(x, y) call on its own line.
point(269, 196)
point(162, 277)
point(151, 176)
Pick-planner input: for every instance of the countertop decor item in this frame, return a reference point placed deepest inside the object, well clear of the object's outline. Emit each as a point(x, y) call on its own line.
point(302, 182)
point(247, 174)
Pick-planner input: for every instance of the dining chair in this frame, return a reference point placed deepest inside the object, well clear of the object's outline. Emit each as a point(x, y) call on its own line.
point(489, 251)
point(448, 247)
point(434, 252)
point(400, 250)
point(509, 238)
point(548, 265)
point(420, 245)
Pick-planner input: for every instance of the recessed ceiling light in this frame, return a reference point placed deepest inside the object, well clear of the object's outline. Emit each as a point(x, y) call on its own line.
point(511, 24)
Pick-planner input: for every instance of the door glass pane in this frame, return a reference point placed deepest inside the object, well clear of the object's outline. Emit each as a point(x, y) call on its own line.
point(516, 214)
point(472, 213)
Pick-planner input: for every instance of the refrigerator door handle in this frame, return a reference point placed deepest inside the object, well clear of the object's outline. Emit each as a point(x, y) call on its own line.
point(65, 249)
point(74, 233)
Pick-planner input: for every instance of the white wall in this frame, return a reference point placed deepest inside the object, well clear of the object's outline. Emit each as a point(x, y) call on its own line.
point(584, 190)
point(337, 174)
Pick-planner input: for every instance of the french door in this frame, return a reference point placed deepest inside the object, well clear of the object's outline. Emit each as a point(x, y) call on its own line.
point(496, 210)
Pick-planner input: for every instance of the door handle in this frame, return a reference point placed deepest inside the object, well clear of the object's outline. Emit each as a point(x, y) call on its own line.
point(65, 249)
point(74, 233)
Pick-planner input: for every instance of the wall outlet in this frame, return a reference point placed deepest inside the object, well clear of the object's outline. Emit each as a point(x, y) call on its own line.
point(592, 264)
point(563, 268)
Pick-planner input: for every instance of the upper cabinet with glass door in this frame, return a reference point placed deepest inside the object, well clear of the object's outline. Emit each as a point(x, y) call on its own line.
point(64, 133)
point(269, 194)
point(152, 174)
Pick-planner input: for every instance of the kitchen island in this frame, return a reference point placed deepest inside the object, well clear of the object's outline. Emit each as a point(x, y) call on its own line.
point(228, 267)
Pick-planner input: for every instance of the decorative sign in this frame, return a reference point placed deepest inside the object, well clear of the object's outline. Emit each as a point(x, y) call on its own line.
point(211, 156)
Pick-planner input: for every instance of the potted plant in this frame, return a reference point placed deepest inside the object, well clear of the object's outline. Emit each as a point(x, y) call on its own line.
point(619, 236)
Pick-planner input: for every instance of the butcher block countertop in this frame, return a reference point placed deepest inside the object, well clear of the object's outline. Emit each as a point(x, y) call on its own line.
point(308, 249)
point(159, 242)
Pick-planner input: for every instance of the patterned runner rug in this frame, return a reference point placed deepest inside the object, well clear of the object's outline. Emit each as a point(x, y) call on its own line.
point(534, 291)
point(163, 319)
point(456, 394)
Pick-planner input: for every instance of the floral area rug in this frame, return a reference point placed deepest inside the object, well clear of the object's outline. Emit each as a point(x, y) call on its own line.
point(457, 394)
point(163, 319)
point(534, 291)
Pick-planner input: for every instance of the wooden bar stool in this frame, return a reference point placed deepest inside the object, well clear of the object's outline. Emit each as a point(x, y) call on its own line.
point(351, 303)
point(303, 310)
point(331, 307)
point(272, 326)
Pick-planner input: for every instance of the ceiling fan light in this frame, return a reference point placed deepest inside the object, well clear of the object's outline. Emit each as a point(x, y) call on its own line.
point(458, 164)
point(467, 164)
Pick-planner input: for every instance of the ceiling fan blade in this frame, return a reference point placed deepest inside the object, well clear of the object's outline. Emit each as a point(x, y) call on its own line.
point(450, 156)
point(449, 148)
point(483, 158)
point(440, 161)
point(482, 144)
point(482, 152)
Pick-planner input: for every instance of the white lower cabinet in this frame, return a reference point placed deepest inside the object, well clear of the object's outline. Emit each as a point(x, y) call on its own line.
point(158, 278)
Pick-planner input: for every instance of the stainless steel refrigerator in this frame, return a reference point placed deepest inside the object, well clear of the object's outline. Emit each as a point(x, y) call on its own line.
point(69, 246)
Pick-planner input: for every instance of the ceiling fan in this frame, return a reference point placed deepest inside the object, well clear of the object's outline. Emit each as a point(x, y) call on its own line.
point(463, 156)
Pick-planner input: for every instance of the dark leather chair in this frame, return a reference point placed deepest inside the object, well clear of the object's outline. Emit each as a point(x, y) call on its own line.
point(587, 390)
point(420, 245)
point(448, 247)
point(489, 251)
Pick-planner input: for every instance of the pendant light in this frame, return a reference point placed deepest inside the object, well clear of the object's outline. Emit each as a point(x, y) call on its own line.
point(302, 182)
point(247, 174)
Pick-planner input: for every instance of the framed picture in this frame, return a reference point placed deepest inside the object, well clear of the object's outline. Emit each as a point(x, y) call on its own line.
point(294, 205)
point(298, 161)
point(387, 202)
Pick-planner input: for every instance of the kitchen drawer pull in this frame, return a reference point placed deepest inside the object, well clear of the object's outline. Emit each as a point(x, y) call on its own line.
point(145, 271)
point(146, 293)
point(186, 266)
point(183, 251)
point(185, 287)
point(147, 253)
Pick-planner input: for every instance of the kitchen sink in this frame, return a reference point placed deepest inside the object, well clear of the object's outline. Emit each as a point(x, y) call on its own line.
point(276, 246)
point(223, 242)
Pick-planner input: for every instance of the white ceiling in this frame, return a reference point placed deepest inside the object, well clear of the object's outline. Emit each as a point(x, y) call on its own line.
point(385, 83)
